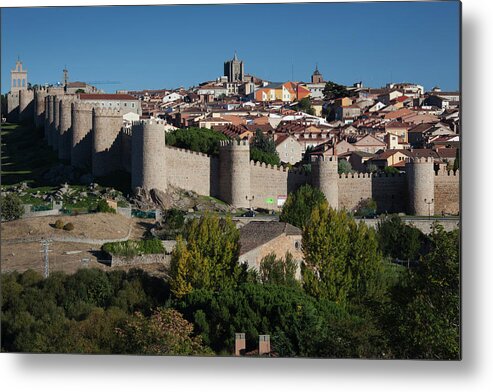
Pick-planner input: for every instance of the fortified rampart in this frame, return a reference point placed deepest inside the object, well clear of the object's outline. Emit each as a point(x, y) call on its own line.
point(106, 125)
point(94, 137)
point(64, 132)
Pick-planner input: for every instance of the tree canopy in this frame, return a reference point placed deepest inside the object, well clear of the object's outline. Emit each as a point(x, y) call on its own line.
point(196, 139)
point(333, 90)
point(299, 205)
point(263, 149)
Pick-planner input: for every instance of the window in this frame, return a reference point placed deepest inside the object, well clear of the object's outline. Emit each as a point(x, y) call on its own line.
point(18, 82)
point(14, 83)
point(23, 82)
point(297, 245)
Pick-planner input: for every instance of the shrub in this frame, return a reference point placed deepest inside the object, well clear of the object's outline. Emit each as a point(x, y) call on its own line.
point(11, 207)
point(59, 224)
point(69, 226)
point(103, 206)
point(133, 248)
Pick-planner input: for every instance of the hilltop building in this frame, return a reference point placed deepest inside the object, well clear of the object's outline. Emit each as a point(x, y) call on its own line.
point(234, 70)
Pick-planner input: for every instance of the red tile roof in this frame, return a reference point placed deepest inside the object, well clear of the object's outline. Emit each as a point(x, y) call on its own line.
point(112, 97)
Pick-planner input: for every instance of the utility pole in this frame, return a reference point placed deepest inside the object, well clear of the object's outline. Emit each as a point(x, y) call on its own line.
point(46, 249)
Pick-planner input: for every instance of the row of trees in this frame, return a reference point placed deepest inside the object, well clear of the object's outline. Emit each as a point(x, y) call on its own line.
point(350, 302)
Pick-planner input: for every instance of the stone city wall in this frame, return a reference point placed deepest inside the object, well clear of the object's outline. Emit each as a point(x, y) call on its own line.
point(447, 192)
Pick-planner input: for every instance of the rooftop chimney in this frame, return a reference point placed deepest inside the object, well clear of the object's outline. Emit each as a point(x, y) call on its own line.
point(240, 343)
point(263, 344)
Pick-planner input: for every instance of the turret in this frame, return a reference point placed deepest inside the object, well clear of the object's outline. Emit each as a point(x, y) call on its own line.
point(26, 105)
point(50, 102)
point(65, 137)
point(148, 155)
point(325, 177)
point(106, 126)
point(234, 173)
point(56, 123)
point(421, 186)
point(39, 107)
point(81, 140)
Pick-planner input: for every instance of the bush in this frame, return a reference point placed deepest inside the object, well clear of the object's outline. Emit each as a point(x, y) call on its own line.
point(366, 208)
point(11, 207)
point(59, 224)
point(344, 167)
point(68, 227)
point(103, 206)
point(299, 205)
point(133, 248)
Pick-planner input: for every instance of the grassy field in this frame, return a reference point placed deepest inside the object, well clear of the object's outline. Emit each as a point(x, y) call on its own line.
point(25, 155)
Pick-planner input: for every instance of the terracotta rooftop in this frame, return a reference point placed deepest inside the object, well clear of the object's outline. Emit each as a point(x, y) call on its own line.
point(112, 97)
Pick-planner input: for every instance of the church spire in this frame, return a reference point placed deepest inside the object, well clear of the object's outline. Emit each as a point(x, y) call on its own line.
point(235, 58)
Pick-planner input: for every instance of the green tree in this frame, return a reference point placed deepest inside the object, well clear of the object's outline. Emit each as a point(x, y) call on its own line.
point(299, 205)
point(426, 308)
point(457, 160)
point(342, 261)
point(344, 167)
point(333, 90)
point(391, 170)
point(103, 206)
point(280, 271)
point(366, 208)
point(399, 240)
point(304, 105)
point(263, 149)
point(11, 207)
point(207, 257)
point(196, 139)
point(165, 332)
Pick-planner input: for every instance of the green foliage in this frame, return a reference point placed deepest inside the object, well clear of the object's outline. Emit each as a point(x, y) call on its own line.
point(196, 139)
point(278, 271)
point(258, 155)
point(299, 205)
point(59, 224)
point(426, 309)
point(76, 313)
point(333, 90)
point(457, 160)
point(173, 223)
point(398, 240)
point(366, 208)
point(263, 149)
point(304, 105)
point(68, 227)
point(344, 167)
point(298, 324)
point(371, 168)
point(165, 332)
point(207, 257)
point(131, 248)
point(103, 206)
point(391, 170)
point(342, 261)
point(11, 207)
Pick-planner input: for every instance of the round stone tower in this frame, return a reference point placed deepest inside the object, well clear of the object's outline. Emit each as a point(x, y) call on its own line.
point(64, 140)
point(325, 176)
point(421, 186)
point(234, 173)
point(106, 127)
point(49, 119)
point(56, 122)
point(148, 155)
point(81, 140)
point(26, 105)
point(39, 107)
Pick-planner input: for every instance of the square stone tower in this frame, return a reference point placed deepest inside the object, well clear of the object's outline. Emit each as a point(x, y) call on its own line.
point(18, 78)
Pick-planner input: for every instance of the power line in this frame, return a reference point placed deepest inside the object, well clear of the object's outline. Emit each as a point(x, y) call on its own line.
point(46, 249)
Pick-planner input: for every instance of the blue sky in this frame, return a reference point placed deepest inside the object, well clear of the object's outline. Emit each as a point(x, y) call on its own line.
point(172, 46)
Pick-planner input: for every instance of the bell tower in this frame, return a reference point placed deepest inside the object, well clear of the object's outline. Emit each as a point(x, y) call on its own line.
point(18, 77)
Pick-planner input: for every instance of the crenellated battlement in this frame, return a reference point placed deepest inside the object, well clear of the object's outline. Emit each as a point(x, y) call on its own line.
point(148, 122)
point(234, 144)
point(416, 160)
point(371, 175)
point(79, 106)
point(107, 112)
point(184, 150)
point(447, 173)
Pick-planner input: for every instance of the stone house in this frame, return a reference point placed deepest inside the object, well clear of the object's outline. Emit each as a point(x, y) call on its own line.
point(259, 239)
point(369, 143)
point(289, 149)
